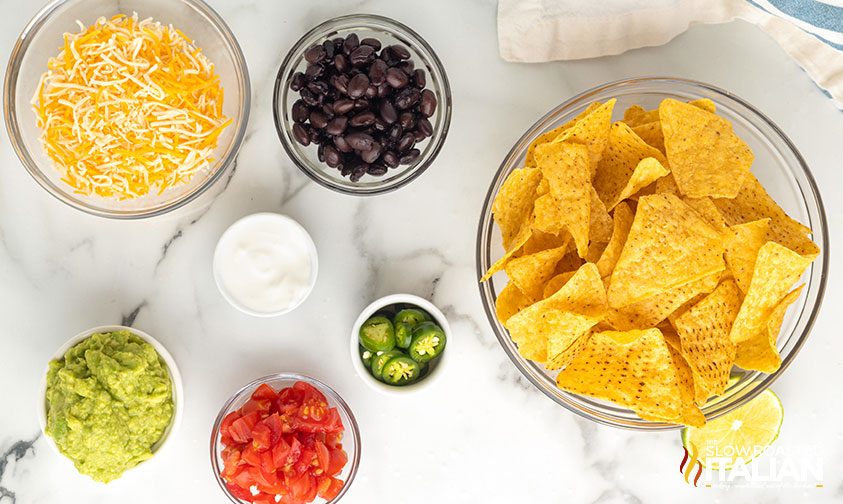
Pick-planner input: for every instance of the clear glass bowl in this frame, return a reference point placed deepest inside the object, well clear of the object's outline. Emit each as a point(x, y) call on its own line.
point(389, 32)
point(41, 39)
point(350, 440)
point(779, 167)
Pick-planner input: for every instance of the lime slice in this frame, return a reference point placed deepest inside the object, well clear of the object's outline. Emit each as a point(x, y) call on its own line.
point(741, 434)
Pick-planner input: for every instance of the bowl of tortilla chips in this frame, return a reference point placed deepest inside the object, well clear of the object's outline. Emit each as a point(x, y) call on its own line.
point(652, 253)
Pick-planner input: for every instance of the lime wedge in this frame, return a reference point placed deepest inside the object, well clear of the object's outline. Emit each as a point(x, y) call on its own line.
point(741, 434)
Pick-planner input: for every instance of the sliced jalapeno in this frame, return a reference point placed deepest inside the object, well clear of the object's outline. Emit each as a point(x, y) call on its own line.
point(400, 370)
point(366, 356)
point(428, 342)
point(403, 334)
point(377, 334)
point(379, 361)
point(411, 316)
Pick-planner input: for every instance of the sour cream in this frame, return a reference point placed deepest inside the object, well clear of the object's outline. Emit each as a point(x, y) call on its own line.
point(265, 264)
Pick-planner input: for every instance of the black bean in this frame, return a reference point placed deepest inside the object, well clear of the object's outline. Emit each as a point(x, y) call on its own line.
point(314, 71)
point(301, 135)
point(383, 90)
point(363, 119)
point(320, 153)
point(351, 43)
point(315, 54)
point(328, 109)
point(406, 143)
point(419, 135)
point(387, 112)
point(371, 155)
point(329, 49)
point(377, 72)
point(407, 120)
point(300, 111)
point(361, 104)
point(314, 135)
point(342, 144)
point(341, 63)
point(360, 141)
point(396, 78)
point(332, 156)
point(361, 55)
point(357, 85)
point(318, 87)
point(428, 103)
point(371, 91)
point(395, 133)
point(407, 98)
point(425, 127)
point(380, 125)
point(358, 172)
point(419, 78)
point(376, 170)
point(390, 159)
point(410, 156)
point(297, 82)
point(372, 42)
point(408, 67)
point(318, 119)
point(343, 106)
point(345, 169)
point(400, 51)
point(336, 125)
point(340, 83)
point(389, 57)
point(309, 97)
point(338, 43)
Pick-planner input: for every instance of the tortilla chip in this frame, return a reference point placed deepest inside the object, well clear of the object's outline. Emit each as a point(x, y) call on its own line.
point(777, 268)
point(668, 245)
point(705, 156)
point(708, 211)
point(703, 331)
point(633, 369)
point(557, 322)
point(529, 273)
point(549, 136)
point(637, 115)
point(691, 414)
point(513, 204)
point(651, 133)
point(539, 240)
point(518, 242)
point(556, 283)
point(742, 246)
point(509, 302)
point(763, 354)
point(600, 225)
point(622, 222)
point(753, 203)
point(591, 131)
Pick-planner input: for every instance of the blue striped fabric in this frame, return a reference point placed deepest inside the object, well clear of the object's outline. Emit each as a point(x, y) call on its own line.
point(820, 19)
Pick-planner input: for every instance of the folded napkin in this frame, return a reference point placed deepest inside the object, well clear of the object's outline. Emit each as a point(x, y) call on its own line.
point(544, 30)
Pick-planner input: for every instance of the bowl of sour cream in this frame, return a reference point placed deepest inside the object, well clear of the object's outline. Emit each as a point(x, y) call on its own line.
point(265, 264)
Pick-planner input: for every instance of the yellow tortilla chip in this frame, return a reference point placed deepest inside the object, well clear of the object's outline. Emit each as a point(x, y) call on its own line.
point(753, 203)
point(509, 302)
point(529, 273)
point(549, 136)
point(556, 283)
point(777, 268)
point(705, 156)
point(513, 204)
point(668, 245)
point(539, 240)
point(763, 354)
point(637, 115)
point(691, 414)
point(633, 369)
point(742, 246)
point(703, 331)
point(556, 322)
point(600, 225)
point(565, 166)
point(622, 222)
point(708, 211)
point(518, 242)
point(591, 131)
point(651, 133)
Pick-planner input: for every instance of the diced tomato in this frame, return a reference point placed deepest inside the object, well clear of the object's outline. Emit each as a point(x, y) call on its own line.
point(309, 391)
point(338, 459)
point(322, 455)
point(264, 393)
point(333, 489)
point(266, 479)
point(227, 421)
point(308, 455)
point(267, 464)
point(240, 431)
point(300, 486)
point(263, 498)
point(280, 452)
point(276, 427)
point(238, 491)
point(295, 452)
point(230, 461)
point(262, 437)
point(333, 439)
point(243, 478)
point(290, 395)
point(251, 456)
point(258, 406)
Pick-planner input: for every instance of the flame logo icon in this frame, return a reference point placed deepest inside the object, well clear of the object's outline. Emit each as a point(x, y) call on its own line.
point(690, 461)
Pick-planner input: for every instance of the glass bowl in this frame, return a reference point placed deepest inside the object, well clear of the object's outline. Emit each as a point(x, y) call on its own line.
point(779, 167)
point(40, 41)
point(389, 32)
point(350, 440)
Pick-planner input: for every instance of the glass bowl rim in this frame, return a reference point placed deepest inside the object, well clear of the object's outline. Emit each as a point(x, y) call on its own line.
point(280, 122)
point(10, 113)
point(331, 394)
point(540, 125)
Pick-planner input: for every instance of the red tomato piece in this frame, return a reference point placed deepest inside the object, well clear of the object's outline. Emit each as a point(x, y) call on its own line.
point(230, 461)
point(280, 452)
point(264, 393)
point(295, 452)
point(322, 455)
point(262, 437)
point(259, 406)
point(240, 431)
point(309, 391)
point(338, 459)
point(251, 456)
point(300, 486)
point(308, 455)
point(227, 421)
point(276, 427)
point(333, 489)
point(290, 395)
point(243, 478)
point(239, 492)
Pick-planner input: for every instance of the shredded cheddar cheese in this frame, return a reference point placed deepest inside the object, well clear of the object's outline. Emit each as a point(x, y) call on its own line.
point(129, 107)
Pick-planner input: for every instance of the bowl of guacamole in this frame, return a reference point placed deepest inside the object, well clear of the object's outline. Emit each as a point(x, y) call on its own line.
point(111, 400)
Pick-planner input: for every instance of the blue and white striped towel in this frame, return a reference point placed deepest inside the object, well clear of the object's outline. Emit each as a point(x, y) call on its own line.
point(810, 31)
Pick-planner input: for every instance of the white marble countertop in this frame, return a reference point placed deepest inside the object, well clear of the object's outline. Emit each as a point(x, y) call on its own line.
point(482, 434)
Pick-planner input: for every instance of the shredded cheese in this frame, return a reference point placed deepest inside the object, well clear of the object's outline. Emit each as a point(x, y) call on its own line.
point(128, 107)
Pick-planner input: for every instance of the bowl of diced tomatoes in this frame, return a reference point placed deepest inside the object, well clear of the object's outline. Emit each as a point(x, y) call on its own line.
point(285, 438)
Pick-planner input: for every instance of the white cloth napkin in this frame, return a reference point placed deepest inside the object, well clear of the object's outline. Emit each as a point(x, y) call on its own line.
point(545, 30)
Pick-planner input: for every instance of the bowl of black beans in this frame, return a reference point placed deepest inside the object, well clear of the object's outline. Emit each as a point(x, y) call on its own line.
point(362, 104)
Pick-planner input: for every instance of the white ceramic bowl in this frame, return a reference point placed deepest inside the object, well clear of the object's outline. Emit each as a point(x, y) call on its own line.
point(314, 262)
point(435, 369)
point(172, 368)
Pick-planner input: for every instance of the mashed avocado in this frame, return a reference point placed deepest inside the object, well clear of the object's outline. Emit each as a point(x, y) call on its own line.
point(109, 400)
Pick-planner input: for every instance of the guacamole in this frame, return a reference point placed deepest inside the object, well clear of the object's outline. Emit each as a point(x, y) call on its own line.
point(109, 400)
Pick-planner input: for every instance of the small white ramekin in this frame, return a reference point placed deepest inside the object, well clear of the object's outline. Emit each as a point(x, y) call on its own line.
point(314, 262)
point(435, 370)
point(172, 368)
